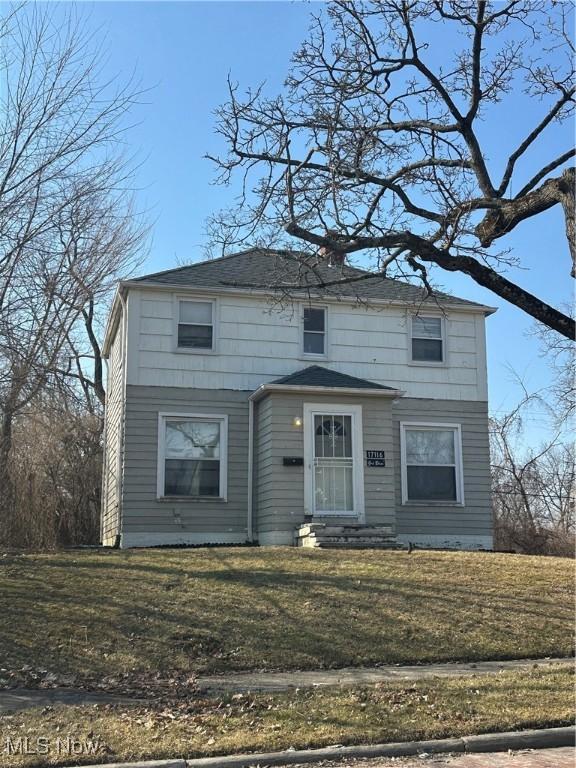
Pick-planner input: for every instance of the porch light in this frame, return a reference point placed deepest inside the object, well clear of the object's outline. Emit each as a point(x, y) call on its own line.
point(297, 421)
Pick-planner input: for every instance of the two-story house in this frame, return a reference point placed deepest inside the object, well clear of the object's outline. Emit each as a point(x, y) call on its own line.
point(240, 413)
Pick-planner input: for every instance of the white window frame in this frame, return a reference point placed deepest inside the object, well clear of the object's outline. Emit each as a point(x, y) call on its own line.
point(428, 425)
point(161, 465)
point(437, 363)
point(314, 355)
point(176, 313)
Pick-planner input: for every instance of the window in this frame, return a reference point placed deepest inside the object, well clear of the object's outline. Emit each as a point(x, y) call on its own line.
point(195, 324)
point(431, 463)
point(427, 341)
point(314, 331)
point(192, 456)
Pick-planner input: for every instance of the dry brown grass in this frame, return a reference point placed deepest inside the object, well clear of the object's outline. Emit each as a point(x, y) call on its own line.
point(313, 718)
point(84, 615)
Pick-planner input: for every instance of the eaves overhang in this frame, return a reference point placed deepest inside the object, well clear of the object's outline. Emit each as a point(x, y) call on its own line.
point(113, 319)
point(266, 389)
point(306, 292)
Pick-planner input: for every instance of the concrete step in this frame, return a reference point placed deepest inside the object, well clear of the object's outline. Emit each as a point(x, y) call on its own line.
point(344, 530)
point(360, 534)
point(320, 535)
point(360, 545)
point(354, 539)
point(307, 528)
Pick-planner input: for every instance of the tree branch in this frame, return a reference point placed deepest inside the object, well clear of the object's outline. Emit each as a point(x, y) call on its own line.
point(480, 273)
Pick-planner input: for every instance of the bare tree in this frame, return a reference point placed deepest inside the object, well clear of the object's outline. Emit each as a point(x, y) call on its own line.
point(55, 466)
point(375, 146)
point(66, 217)
point(560, 353)
point(103, 237)
point(533, 490)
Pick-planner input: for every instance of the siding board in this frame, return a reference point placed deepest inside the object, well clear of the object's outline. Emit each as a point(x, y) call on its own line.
point(113, 464)
point(475, 517)
point(258, 342)
point(280, 489)
point(143, 512)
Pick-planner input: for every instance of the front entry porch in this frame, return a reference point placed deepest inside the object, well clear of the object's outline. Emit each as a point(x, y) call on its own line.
point(324, 461)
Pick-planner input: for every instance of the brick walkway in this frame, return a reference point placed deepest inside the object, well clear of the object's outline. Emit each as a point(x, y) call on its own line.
point(541, 758)
point(538, 758)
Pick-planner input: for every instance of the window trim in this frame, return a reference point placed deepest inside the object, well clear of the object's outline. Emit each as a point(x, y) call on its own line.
point(432, 425)
point(176, 313)
point(443, 336)
point(163, 416)
point(314, 355)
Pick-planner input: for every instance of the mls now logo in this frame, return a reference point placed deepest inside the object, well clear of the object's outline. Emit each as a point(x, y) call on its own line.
point(25, 745)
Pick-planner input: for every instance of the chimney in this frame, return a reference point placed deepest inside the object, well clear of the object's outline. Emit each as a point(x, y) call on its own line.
point(332, 257)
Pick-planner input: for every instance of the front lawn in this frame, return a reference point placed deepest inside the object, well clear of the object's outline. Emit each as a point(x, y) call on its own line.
point(307, 718)
point(77, 617)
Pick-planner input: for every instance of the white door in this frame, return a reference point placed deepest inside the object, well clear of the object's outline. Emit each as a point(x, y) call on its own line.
point(334, 483)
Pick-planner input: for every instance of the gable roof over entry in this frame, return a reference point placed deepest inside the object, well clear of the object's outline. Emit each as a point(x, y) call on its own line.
point(320, 380)
point(318, 376)
point(295, 273)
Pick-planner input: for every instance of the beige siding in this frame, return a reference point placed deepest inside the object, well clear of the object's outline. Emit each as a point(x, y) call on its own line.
point(257, 342)
point(112, 480)
point(474, 519)
point(149, 520)
point(280, 490)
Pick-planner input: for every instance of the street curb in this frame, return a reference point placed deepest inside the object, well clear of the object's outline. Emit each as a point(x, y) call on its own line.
point(545, 738)
point(141, 764)
point(537, 739)
point(494, 742)
point(329, 753)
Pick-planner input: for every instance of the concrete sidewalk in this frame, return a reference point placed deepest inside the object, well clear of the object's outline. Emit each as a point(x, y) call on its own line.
point(282, 681)
point(13, 699)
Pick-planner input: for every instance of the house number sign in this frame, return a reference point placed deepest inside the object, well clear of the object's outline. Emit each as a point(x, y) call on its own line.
point(375, 459)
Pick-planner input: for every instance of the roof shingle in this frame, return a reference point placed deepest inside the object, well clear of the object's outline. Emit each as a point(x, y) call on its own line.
point(318, 376)
point(296, 273)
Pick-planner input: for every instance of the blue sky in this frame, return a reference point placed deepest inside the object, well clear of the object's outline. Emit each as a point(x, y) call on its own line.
point(183, 52)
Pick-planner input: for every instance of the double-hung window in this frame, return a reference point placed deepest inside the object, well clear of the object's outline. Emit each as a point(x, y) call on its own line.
point(314, 325)
point(427, 339)
point(195, 324)
point(431, 463)
point(192, 455)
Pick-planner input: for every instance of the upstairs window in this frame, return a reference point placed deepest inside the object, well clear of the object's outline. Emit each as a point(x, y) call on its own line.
point(195, 324)
point(427, 339)
point(431, 463)
point(314, 331)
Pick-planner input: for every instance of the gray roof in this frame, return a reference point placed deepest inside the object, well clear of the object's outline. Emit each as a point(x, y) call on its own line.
point(295, 273)
point(317, 376)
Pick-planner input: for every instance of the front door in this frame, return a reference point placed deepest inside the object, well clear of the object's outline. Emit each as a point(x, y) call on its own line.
point(333, 459)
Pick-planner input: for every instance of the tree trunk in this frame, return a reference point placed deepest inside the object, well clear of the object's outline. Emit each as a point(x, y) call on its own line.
point(98, 383)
